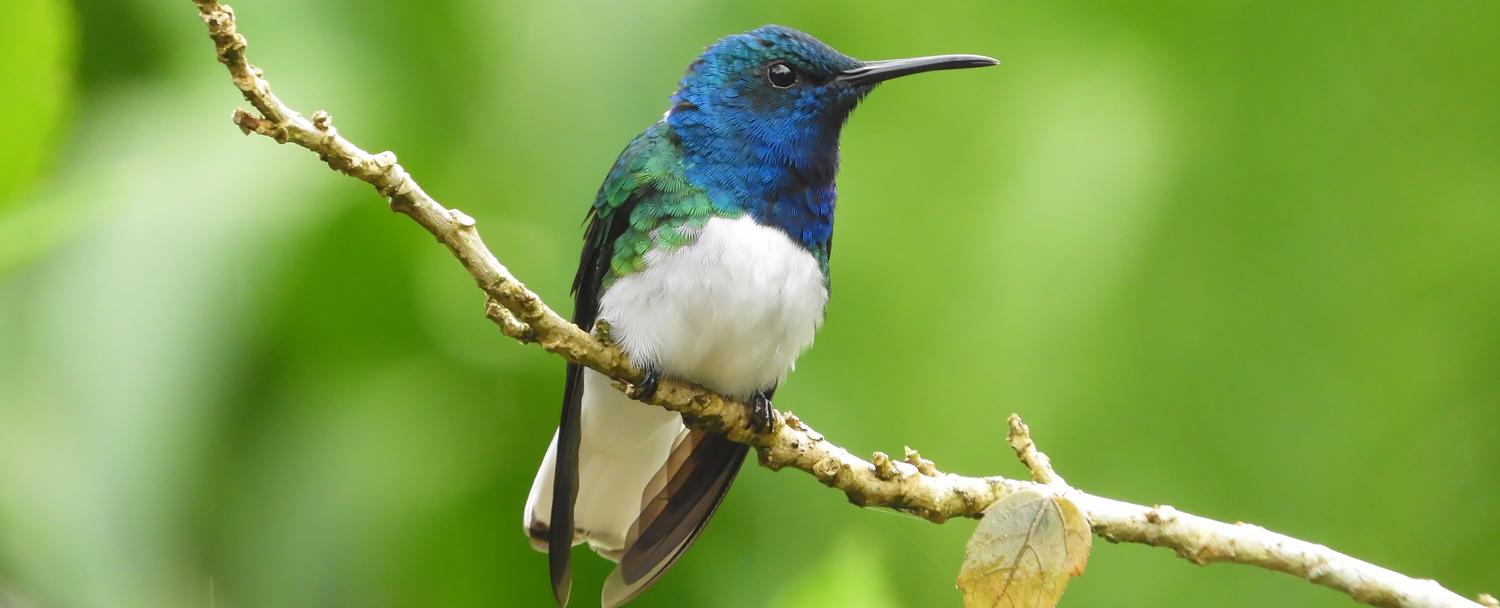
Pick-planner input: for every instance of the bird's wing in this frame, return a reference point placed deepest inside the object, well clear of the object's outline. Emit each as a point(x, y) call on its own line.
point(678, 502)
point(649, 165)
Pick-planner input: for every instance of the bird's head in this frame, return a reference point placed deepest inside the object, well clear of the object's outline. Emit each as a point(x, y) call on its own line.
point(777, 97)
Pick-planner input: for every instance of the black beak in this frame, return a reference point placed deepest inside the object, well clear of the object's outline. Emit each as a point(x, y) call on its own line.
point(871, 72)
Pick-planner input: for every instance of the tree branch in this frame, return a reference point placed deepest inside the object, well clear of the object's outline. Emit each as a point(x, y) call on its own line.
point(913, 485)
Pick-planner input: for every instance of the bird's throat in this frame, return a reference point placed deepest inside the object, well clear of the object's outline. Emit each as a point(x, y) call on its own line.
point(783, 180)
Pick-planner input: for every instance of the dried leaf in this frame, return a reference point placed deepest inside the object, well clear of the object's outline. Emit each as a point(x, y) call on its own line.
point(1024, 551)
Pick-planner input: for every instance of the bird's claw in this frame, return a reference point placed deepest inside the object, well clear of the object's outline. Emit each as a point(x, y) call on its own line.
point(762, 416)
point(646, 388)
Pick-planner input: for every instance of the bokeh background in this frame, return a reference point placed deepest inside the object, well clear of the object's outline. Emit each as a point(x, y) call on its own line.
point(1240, 257)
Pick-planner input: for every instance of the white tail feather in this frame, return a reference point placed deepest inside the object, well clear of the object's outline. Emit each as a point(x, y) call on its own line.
point(623, 445)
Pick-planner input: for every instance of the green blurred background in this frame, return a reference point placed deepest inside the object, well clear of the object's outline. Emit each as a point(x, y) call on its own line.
point(1242, 257)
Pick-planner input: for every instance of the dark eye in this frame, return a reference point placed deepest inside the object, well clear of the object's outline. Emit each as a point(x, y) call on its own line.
point(781, 75)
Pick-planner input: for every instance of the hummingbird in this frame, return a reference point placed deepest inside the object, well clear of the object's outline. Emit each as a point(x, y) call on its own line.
point(707, 252)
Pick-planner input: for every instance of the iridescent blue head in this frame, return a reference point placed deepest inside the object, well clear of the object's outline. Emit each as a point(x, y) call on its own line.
point(759, 115)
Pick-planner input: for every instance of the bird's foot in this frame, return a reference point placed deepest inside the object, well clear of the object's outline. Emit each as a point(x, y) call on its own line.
point(762, 416)
point(646, 388)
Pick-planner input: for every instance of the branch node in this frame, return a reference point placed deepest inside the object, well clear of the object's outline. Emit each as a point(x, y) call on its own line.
point(885, 470)
point(322, 120)
point(215, 19)
point(793, 421)
point(923, 465)
point(391, 179)
point(385, 169)
point(247, 122)
point(827, 469)
point(1161, 514)
point(250, 123)
point(463, 220)
point(509, 324)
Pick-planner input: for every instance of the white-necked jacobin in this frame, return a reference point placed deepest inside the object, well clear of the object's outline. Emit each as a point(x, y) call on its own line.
point(707, 252)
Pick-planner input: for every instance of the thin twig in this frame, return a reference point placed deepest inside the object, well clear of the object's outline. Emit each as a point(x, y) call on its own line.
point(1040, 466)
point(913, 485)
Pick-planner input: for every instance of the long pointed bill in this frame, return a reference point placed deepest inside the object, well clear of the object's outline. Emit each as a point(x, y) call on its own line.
point(871, 72)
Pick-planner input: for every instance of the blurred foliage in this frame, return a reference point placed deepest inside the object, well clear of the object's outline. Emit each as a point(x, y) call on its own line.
point(1237, 256)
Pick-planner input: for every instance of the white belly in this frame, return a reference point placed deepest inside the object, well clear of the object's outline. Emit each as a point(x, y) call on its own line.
point(731, 311)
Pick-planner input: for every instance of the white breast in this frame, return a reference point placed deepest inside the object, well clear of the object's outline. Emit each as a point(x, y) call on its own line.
point(731, 311)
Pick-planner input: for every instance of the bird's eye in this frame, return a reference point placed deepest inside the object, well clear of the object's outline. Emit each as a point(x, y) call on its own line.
point(781, 75)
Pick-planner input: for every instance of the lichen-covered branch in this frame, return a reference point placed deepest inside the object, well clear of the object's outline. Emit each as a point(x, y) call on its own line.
point(911, 485)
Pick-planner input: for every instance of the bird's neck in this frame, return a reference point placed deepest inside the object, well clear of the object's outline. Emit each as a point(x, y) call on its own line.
point(782, 176)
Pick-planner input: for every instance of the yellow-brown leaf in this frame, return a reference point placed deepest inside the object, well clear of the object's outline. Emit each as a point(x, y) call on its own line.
point(1024, 551)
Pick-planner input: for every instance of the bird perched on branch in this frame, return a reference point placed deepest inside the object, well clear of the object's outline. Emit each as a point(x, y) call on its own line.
point(707, 252)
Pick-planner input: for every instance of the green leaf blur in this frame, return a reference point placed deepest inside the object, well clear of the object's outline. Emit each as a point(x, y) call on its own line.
point(1240, 257)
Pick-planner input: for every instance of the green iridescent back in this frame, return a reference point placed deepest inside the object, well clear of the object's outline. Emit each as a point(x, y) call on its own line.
point(664, 210)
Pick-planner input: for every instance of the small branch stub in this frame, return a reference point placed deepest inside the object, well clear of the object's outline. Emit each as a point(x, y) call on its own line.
point(923, 465)
point(1037, 462)
point(884, 468)
point(462, 219)
point(508, 323)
